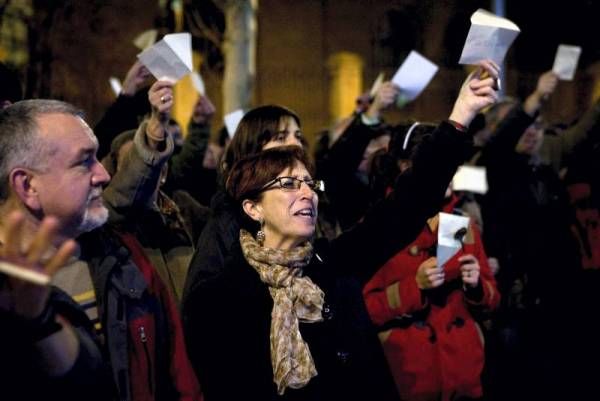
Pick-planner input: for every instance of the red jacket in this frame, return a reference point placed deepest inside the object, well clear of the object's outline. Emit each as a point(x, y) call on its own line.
point(433, 345)
point(144, 365)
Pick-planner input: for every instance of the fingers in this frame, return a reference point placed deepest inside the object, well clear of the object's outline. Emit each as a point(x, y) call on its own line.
point(160, 96)
point(61, 257)
point(435, 277)
point(42, 240)
point(469, 269)
point(12, 245)
point(489, 68)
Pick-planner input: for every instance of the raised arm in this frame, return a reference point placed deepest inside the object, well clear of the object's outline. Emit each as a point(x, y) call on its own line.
point(419, 192)
point(135, 182)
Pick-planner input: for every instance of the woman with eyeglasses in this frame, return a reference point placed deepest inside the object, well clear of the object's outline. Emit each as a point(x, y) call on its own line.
point(271, 325)
point(261, 128)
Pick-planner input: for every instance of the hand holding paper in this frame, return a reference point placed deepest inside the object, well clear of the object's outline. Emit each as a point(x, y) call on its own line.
point(565, 62)
point(477, 92)
point(489, 37)
point(160, 97)
point(384, 98)
point(429, 275)
point(469, 270)
point(170, 58)
point(451, 230)
point(413, 76)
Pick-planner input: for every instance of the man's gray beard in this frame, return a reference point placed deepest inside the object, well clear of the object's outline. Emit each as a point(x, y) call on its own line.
point(94, 221)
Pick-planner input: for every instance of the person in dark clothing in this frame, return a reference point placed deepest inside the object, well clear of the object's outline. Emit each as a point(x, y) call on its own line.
point(260, 128)
point(49, 349)
point(49, 168)
point(279, 311)
point(528, 229)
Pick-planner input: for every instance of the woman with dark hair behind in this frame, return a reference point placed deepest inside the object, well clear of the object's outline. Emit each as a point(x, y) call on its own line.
point(261, 128)
point(273, 323)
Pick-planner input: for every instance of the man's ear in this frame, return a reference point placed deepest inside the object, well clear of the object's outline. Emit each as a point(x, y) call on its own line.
point(20, 180)
point(253, 209)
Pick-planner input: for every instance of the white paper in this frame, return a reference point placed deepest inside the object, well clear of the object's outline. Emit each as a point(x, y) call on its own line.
point(232, 120)
point(489, 37)
point(376, 85)
point(145, 39)
point(413, 76)
point(24, 274)
point(448, 245)
point(170, 58)
point(471, 179)
point(565, 62)
point(198, 83)
point(115, 85)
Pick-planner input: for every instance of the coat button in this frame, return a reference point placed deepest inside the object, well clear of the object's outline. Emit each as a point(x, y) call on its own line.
point(413, 250)
point(327, 313)
point(343, 356)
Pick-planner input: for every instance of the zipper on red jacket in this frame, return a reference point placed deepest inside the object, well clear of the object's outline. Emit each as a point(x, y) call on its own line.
point(144, 340)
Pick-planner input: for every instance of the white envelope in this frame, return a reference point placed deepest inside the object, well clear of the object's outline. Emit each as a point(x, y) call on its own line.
point(471, 179)
point(413, 76)
point(145, 39)
point(489, 37)
point(24, 274)
point(115, 85)
point(232, 120)
point(448, 244)
point(170, 58)
point(565, 62)
point(198, 83)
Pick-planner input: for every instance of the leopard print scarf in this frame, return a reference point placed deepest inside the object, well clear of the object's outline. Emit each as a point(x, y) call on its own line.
point(295, 298)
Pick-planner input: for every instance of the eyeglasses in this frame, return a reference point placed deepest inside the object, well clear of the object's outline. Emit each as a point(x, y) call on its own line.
point(293, 184)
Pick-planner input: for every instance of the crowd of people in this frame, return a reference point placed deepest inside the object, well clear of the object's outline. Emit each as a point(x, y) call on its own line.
point(252, 268)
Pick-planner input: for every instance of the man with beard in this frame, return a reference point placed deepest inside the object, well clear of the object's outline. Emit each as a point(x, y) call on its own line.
point(48, 167)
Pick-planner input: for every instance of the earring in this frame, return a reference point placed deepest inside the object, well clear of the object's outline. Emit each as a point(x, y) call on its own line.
point(260, 234)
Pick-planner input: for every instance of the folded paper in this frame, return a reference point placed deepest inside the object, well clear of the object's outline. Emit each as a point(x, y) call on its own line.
point(413, 76)
point(451, 230)
point(471, 179)
point(565, 62)
point(170, 58)
point(489, 37)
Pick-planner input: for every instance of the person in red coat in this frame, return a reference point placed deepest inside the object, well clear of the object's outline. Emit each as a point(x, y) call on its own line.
point(425, 313)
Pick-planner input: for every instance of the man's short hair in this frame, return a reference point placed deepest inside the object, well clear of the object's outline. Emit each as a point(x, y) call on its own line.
point(20, 144)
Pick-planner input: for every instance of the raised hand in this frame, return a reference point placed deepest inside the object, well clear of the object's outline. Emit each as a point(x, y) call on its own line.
point(479, 90)
point(135, 78)
point(204, 111)
point(545, 87)
point(385, 97)
point(160, 97)
point(21, 297)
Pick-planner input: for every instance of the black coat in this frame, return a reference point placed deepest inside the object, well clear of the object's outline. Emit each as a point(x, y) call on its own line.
point(227, 317)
